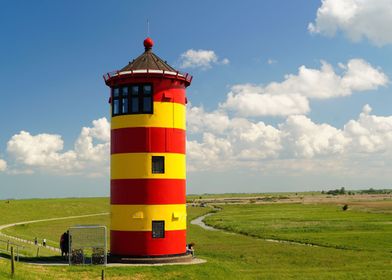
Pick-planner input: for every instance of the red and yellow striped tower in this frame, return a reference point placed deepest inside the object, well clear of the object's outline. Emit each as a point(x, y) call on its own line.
point(148, 210)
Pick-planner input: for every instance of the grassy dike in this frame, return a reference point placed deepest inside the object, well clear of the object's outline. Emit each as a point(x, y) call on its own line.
point(229, 256)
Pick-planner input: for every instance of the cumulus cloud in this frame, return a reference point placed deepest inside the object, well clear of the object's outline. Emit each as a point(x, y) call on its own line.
point(356, 18)
point(3, 165)
point(305, 139)
point(233, 140)
point(370, 133)
point(291, 96)
point(298, 143)
point(203, 59)
point(251, 100)
point(45, 151)
point(40, 150)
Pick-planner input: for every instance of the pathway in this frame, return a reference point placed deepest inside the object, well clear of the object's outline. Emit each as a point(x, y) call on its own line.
point(38, 221)
point(200, 222)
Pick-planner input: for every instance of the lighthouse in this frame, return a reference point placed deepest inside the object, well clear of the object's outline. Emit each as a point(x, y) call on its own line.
point(147, 169)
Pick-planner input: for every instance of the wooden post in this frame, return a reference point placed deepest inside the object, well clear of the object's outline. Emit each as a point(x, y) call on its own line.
point(103, 274)
point(37, 251)
point(8, 245)
point(12, 262)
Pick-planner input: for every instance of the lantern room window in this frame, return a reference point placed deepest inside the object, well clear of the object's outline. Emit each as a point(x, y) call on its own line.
point(132, 99)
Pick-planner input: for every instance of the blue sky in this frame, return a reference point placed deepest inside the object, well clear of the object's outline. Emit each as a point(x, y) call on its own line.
point(286, 96)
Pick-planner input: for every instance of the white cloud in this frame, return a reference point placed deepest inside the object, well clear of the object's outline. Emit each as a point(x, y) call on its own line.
point(198, 120)
point(271, 61)
point(45, 151)
point(203, 59)
point(360, 76)
point(3, 165)
point(356, 18)
point(42, 150)
point(370, 133)
point(84, 146)
point(225, 61)
point(292, 95)
point(297, 145)
point(251, 100)
point(231, 141)
point(324, 83)
point(305, 139)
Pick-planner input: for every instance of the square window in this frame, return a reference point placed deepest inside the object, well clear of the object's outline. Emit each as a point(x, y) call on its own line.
point(125, 91)
point(135, 105)
point(147, 89)
point(116, 92)
point(135, 90)
point(147, 104)
point(125, 105)
point(158, 229)
point(116, 107)
point(158, 164)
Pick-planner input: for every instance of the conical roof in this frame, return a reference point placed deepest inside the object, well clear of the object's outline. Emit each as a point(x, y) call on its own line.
point(148, 60)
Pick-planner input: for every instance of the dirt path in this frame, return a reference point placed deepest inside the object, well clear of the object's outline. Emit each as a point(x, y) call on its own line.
point(38, 221)
point(200, 222)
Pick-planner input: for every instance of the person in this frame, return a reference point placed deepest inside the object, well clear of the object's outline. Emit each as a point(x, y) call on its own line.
point(66, 243)
point(44, 242)
point(35, 241)
point(189, 249)
point(62, 244)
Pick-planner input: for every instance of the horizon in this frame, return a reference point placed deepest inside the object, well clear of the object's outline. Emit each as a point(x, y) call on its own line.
point(208, 194)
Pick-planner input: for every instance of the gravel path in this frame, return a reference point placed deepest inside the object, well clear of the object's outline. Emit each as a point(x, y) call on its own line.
point(199, 222)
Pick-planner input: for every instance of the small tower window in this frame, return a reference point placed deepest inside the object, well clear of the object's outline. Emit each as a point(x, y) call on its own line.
point(158, 164)
point(158, 229)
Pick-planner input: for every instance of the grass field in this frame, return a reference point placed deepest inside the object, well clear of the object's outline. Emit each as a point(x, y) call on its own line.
point(320, 224)
point(234, 256)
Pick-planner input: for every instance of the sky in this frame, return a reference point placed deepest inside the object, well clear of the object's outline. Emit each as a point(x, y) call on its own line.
point(286, 95)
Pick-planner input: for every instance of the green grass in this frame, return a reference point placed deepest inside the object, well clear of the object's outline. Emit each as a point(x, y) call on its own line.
point(33, 209)
point(54, 229)
point(231, 256)
point(321, 224)
point(241, 195)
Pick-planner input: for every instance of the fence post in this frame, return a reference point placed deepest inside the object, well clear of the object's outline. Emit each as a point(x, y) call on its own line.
point(103, 275)
point(12, 262)
point(37, 251)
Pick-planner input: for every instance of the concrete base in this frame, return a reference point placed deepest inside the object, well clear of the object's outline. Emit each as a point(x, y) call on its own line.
point(151, 260)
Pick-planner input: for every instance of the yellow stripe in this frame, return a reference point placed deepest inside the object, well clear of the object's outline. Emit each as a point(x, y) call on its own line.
point(166, 114)
point(140, 217)
point(139, 166)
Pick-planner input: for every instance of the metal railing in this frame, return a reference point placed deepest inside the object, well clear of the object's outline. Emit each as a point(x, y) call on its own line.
point(186, 76)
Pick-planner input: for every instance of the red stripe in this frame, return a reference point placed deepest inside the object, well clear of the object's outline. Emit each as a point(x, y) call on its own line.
point(148, 191)
point(176, 95)
point(147, 139)
point(141, 243)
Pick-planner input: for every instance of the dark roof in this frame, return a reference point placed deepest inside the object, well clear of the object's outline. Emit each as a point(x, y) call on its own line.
point(148, 60)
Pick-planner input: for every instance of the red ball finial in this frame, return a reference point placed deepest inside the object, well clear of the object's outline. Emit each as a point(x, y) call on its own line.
point(148, 43)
